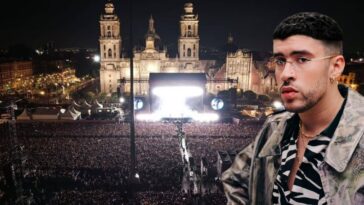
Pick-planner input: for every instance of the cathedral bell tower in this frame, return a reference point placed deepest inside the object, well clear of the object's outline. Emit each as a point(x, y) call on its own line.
point(110, 49)
point(110, 40)
point(188, 43)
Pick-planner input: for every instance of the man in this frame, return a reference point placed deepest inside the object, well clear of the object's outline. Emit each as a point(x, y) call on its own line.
point(314, 152)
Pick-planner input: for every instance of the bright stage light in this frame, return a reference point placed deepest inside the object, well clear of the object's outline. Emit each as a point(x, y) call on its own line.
point(178, 91)
point(173, 104)
point(138, 104)
point(173, 100)
point(217, 104)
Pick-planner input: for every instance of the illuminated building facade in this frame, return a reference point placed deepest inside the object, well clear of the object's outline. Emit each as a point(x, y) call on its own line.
point(348, 80)
point(115, 69)
point(12, 71)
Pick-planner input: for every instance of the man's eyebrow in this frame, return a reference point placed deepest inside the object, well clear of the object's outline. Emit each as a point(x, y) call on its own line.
point(277, 54)
point(298, 52)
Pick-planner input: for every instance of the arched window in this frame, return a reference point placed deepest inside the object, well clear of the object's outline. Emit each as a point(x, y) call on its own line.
point(109, 34)
point(109, 53)
point(189, 30)
point(189, 52)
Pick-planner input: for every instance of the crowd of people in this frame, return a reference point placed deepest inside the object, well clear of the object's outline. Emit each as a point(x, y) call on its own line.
point(90, 162)
point(143, 129)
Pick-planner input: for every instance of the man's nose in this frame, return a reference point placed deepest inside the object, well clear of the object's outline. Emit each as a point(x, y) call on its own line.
point(288, 72)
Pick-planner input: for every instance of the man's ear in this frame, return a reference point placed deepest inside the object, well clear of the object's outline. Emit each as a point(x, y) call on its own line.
point(337, 67)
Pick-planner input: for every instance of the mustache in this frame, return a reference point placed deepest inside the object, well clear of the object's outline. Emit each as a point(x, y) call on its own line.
point(287, 85)
point(284, 83)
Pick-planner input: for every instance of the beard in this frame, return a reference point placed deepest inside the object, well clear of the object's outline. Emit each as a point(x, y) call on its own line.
point(308, 99)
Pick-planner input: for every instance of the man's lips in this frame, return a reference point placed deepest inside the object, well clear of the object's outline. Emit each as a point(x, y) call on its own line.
point(286, 89)
point(288, 93)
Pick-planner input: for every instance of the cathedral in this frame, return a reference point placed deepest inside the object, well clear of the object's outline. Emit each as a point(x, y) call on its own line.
point(239, 71)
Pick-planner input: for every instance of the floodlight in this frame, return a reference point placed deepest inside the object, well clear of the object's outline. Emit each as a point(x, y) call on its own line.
point(138, 104)
point(96, 58)
point(217, 104)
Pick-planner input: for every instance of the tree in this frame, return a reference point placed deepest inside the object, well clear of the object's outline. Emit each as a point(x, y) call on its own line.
point(263, 98)
point(102, 96)
point(250, 95)
point(89, 96)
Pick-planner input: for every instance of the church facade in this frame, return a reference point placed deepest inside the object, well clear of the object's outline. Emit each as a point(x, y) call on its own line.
point(238, 71)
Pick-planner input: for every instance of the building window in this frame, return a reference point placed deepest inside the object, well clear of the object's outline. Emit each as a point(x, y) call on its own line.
point(104, 47)
point(184, 47)
point(189, 52)
point(104, 55)
point(109, 34)
point(110, 53)
point(189, 28)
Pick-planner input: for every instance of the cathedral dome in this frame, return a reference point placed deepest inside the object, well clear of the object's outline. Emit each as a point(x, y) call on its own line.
point(188, 8)
point(109, 8)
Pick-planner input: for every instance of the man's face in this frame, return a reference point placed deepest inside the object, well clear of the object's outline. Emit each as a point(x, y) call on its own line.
point(302, 83)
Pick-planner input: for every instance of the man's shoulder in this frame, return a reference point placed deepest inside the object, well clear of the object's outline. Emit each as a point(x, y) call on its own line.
point(354, 109)
point(356, 101)
point(279, 116)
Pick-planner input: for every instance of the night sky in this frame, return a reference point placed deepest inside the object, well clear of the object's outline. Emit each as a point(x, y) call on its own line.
point(75, 23)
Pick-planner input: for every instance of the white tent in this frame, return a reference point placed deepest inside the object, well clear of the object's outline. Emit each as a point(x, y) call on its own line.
point(24, 115)
point(96, 105)
point(85, 108)
point(72, 109)
point(69, 115)
point(75, 104)
point(85, 105)
point(45, 113)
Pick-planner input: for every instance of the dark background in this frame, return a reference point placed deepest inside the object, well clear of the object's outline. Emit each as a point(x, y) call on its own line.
point(75, 23)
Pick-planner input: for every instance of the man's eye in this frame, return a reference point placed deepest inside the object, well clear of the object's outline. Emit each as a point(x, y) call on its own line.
point(280, 61)
point(302, 60)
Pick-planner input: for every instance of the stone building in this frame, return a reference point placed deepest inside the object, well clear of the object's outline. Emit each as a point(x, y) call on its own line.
point(13, 71)
point(239, 71)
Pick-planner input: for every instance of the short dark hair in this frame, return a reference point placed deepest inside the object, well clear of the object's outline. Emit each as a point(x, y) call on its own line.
point(312, 24)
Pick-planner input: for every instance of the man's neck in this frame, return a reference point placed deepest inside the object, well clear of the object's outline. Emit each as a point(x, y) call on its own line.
point(319, 117)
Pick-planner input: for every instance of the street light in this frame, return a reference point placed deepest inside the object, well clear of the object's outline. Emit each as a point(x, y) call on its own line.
point(96, 58)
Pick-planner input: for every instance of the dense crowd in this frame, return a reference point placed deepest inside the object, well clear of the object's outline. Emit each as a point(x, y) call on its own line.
point(88, 163)
point(142, 129)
